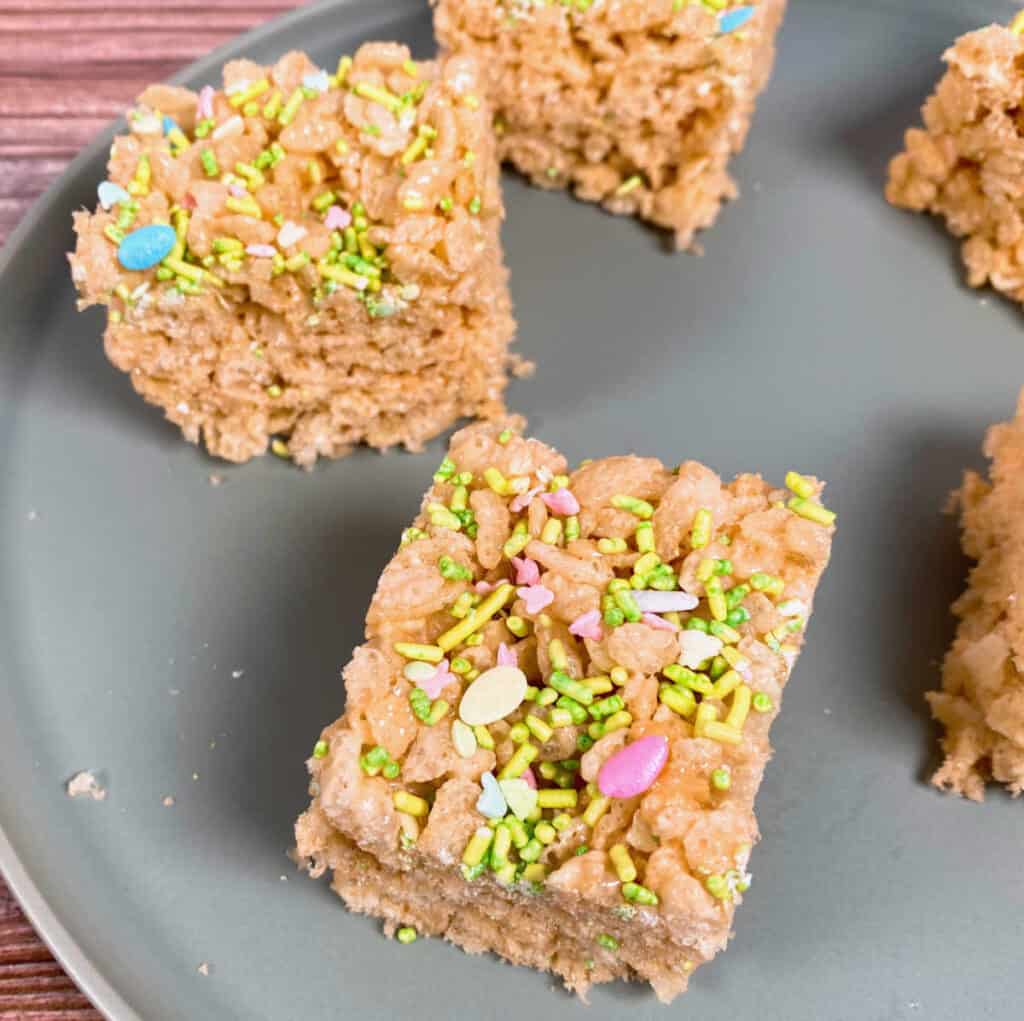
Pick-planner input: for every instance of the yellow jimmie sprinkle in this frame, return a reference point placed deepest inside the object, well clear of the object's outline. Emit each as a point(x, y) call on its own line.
point(556, 797)
point(700, 536)
point(740, 707)
point(478, 846)
point(535, 872)
point(344, 66)
point(623, 863)
point(476, 620)
point(799, 485)
point(139, 184)
point(380, 95)
point(344, 276)
point(239, 99)
point(1017, 25)
point(414, 650)
point(706, 713)
point(517, 765)
point(597, 808)
point(811, 511)
point(291, 108)
point(411, 804)
point(246, 206)
point(722, 732)
point(630, 184)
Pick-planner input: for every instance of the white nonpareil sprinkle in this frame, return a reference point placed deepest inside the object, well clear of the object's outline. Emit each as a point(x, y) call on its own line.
point(696, 646)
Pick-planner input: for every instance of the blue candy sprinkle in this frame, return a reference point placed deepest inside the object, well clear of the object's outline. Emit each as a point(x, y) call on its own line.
point(110, 193)
point(492, 802)
point(169, 124)
point(734, 19)
point(145, 247)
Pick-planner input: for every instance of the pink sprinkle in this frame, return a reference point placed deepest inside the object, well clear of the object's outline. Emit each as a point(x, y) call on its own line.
point(651, 601)
point(189, 201)
point(561, 501)
point(527, 571)
point(659, 623)
point(205, 106)
point(588, 625)
point(238, 190)
point(522, 501)
point(483, 587)
point(531, 780)
point(337, 218)
point(633, 769)
point(536, 597)
point(261, 251)
point(442, 677)
point(507, 656)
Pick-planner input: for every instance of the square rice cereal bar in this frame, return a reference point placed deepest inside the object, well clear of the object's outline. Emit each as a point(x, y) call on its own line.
point(981, 704)
point(306, 261)
point(967, 163)
point(635, 104)
point(555, 730)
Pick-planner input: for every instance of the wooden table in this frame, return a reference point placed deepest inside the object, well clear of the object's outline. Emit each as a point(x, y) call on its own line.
point(67, 67)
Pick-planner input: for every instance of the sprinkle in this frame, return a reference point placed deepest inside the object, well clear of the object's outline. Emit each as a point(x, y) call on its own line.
point(700, 536)
point(507, 656)
point(476, 620)
point(204, 106)
point(247, 206)
point(1017, 25)
point(658, 623)
point(665, 602)
point(639, 894)
point(811, 511)
point(519, 763)
point(623, 863)
point(483, 587)
point(527, 570)
point(792, 608)
point(554, 797)
point(110, 194)
point(520, 795)
point(561, 502)
point(337, 218)
point(290, 234)
point(231, 127)
point(588, 625)
point(491, 802)
point(641, 508)
point(478, 846)
point(413, 650)
point(236, 189)
point(634, 768)
point(762, 702)
point(493, 695)
point(574, 690)
point(261, 251)
point(523, 500)
point(611, 546)
point(536, 597)
point(696, 646)
point(440, 678)
point(145, 247)
point(319, 81)
point(411, 804)
point(630, 184)
point(733, 19)
point(320, 750)
point(406, 934)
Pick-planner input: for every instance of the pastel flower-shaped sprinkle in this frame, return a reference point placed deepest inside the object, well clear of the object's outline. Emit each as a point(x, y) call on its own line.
point(317, 80)
point(536, 597)
point(695, 647)
point(290, 234)
point(652, 620)
point(529, 779)
point(337, 218)
point(520, 797)
point(204, 107)
point(634, 768)
point(110, 194)
point(736, 18)
point(507, 656)
point(441, 677)
point(261, 251)
point(523, 500)
point(491, 802)
point(652, 601)
point(588, 625)
point(561, 502)
point(527, 571)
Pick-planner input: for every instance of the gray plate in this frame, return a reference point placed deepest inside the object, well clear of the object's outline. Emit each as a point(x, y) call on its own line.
point(822, 330)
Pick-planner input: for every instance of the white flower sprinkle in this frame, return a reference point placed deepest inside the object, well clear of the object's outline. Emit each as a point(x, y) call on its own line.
point(290, 234)
point(696, 646)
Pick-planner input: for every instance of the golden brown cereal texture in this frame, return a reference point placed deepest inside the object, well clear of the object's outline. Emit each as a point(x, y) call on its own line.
point(967, 163)
point(633, 103)
point(277, 354)
point(684, 834)
point(981, 704)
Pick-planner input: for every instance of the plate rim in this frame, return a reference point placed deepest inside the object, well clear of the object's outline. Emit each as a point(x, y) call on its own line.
point(101, 991)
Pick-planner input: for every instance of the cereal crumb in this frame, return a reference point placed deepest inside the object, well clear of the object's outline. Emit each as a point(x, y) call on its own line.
point(195, 776)
point(84, 784)
point(32, 515)
point(237, 673)
point(215, 480)
point(168, 801)
point(204, 968)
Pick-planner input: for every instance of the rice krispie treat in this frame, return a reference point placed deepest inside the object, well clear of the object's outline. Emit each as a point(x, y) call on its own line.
point(981, 703)
point(555, 730)
point(306, 260)
point(967, 163)
point(636, 104)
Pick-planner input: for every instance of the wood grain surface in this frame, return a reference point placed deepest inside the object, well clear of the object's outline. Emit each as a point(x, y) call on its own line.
point(67, 67)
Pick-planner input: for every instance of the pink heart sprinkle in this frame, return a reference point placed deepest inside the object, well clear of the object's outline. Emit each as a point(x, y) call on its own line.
point(337, 218)
point(659, 623)
point(561, 502)
point(536, 597)
point(633, 769)
point(205, 106)
point(442, 677)
point(588, 625)
point(531, 780)
point(261, 251)
point(507, 656)
point(527, 571)
point(522, 501)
